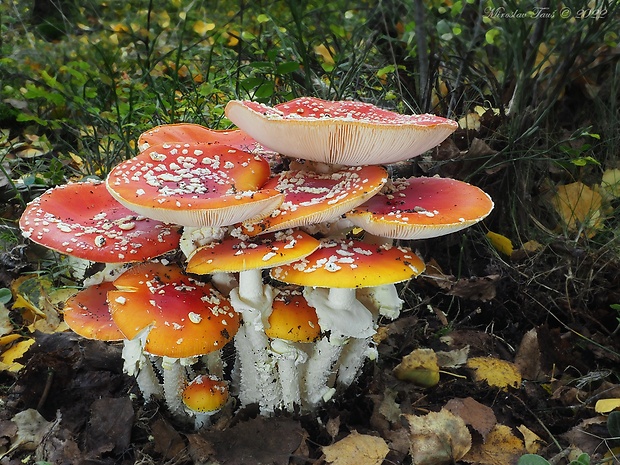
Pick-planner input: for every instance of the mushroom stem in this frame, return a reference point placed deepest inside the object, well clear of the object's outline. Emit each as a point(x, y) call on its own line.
point(174, 375)
point(352, 359)
point(289, 357)
point(257, 370)
point(138, 365)
point(319, 368)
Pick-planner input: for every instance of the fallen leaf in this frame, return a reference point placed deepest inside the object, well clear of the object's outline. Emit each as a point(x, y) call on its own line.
point(610, 183)
point(527, 359)
point(496, 372)
point(578, 207)
point(6, 326)
point(606, 405)
point(474, 288)
point(533, 442)
point(453, 358)
point(501, 447)
point(357, 449)
point(31, 429)
point(478, 416)
point(419, 367)
point(438, 438)
point(501, 243)
point(8, 357)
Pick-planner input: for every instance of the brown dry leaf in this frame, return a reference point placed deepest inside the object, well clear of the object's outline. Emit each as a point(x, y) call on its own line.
point(528, 360)
point(357, 449)
point(501, 448)
point(419, 367)
point(453, 358)
point(579, 207)
point(438, 438)
point(533, 442)
point(475, 288)
point(496, 372)
point(31, 429)
point(478, 416)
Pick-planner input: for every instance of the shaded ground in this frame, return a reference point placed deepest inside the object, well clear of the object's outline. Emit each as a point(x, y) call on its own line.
point(531, 309)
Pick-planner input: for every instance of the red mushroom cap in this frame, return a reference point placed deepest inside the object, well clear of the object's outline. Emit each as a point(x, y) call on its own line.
point(235, 254)
point(205, 394)
point(195, 133)
point(312, 198)
point(85, 221)
point(343, 132)
point(194, 184)
point(419, 208)
point(87, 314)
point(351, 264)
point(184, 317)
point(293, 319)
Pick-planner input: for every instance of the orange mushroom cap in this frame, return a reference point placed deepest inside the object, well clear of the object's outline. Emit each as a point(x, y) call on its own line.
point(87, 314)
point(195, 133)
point(419, 208)
point(236, 254)
point(205, 394)
point(194, 184)
point(312, 198)
point(292, 319)
point(184, 317)
point(85, 221)
point(351, 264)
point(342, 132)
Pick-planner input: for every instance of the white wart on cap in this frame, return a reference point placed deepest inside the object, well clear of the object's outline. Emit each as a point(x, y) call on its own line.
point(420, 208)
point(343, 132)
point(194, 184)
point(83, 220)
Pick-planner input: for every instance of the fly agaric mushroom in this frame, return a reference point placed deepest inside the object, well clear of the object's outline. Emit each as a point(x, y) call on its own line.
point(312, 198)
point(83, 220)
point(87, 313)
point(194, 184)
point(342, 132)
point(204, 396)
point(330, 276)
point(293, 324)
point(177, 318)
point(253, 300)
point(421, 208)
point(195, 133)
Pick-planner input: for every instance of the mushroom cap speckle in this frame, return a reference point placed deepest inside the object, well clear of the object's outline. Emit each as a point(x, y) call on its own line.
point(312, 198)
point(205, 394)
point(184, 317)
point(420, 208)
point(83, 220)
point(351, 264)
point(292, 318)
point(87, 314)
point(195, 184)
point(241, 253)
point(342, 132)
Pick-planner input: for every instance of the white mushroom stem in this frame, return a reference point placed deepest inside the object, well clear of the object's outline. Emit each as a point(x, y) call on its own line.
point(175, 376)
point(138, 364)
point(353, 356)
point(258, 374)
point(381, 300)
point(289, 357)
point(344, 317)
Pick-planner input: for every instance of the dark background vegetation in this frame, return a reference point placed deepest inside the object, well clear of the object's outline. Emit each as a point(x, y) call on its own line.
point(534, 86)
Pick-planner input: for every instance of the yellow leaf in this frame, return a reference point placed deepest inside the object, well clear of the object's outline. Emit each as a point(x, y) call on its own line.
point(578, 207)
point(357, 449)
point(606, 405)
point(326, 53)
point(496, 372)
point(533, 442)
point(163, 19)
point(501, 447)
point(201, 28)
point(6, 326)
point(8, 357)
point(611, 183)
point(501, 243)
point(4, 340)
point(419, 367)
point(438, 438)
point(470, 121)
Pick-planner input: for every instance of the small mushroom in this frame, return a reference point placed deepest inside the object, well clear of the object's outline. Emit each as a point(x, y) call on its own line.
point(204, 396)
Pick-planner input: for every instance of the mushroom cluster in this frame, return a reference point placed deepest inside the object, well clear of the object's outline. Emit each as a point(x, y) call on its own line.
point(268, 263)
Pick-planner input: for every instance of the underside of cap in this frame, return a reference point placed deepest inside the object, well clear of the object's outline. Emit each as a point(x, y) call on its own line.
point(345, 140)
